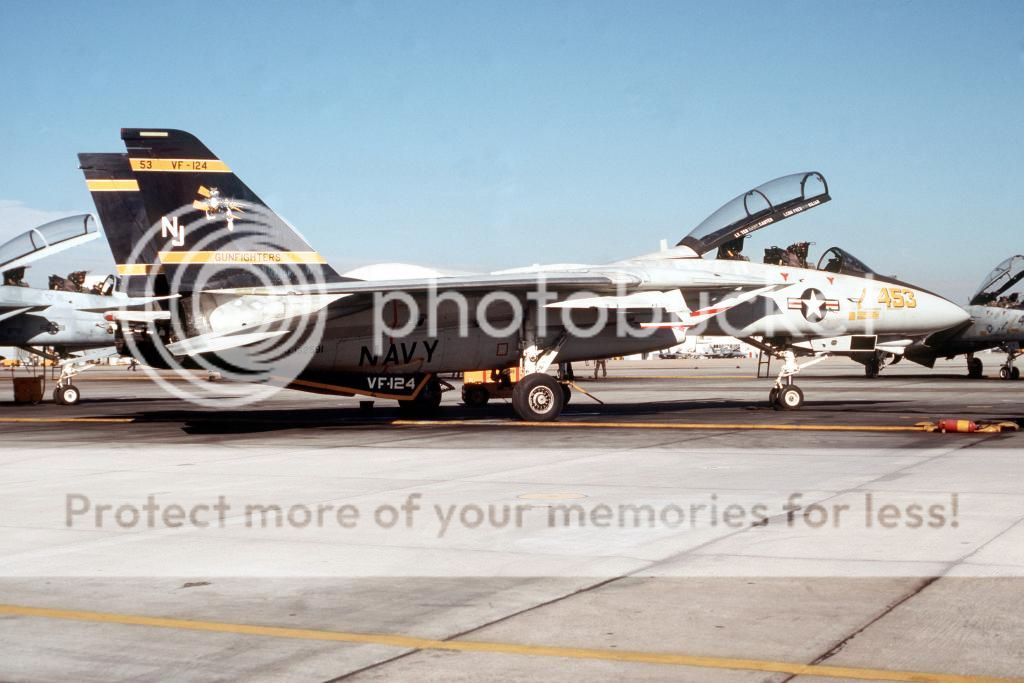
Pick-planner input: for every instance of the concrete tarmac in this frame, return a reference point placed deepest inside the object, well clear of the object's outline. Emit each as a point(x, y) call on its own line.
point(774, 597)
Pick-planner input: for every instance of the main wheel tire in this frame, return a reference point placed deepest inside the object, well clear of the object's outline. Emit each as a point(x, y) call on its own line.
point(475, 396)
point(871, 369)
point(538, 398)
point(69, 395)
point(426, 402)
point(975, 368)
point(790, 398)
point(1014, 373)
point(566, 395)
point(1004, 372)
point(58, 397)
point(773, 397)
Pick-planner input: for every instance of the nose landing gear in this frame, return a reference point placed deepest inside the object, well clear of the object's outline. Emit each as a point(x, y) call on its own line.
point(789, 398)
point(66, 395)
point(1008, 370)
point(785, 395)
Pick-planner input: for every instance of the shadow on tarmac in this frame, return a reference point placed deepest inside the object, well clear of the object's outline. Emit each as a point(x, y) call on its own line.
point(256, 421)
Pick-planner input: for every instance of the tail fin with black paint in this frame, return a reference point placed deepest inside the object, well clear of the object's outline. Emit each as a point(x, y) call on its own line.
point(207, 215)
point(122, 213)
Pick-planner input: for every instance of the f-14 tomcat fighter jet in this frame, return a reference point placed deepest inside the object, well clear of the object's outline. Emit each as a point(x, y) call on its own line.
point(64, 321)
point(242, 279)
point(997, 321)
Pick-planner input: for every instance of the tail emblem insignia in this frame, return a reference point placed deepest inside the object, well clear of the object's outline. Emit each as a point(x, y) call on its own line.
point(213, 205)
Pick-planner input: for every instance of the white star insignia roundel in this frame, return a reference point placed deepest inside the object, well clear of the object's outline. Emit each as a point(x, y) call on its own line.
point(813, 304)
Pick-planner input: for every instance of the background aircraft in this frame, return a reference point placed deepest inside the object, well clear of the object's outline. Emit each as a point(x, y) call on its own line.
point(997, 321)
point(242, 276)
point(66, 320)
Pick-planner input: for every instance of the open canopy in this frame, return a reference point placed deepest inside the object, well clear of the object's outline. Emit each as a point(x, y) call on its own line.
point(764, 205)
point(999, 282)
point(47, 239)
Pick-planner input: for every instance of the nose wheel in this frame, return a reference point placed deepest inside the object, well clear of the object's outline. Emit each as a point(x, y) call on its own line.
point(789, 397)
point(1008, 370)
point(785, 395)
point(66, 395)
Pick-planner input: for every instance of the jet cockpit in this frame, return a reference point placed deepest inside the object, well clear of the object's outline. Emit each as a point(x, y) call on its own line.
point(836, 260)
point(728, 227)
point(1000, 287)
point(48, 239)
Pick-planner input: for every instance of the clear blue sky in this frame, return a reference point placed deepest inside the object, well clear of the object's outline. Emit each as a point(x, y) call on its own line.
point(480, 135)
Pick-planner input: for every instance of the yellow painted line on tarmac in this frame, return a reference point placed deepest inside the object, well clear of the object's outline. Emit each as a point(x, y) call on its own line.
point(517, 423)
point(412, 642)
point(133, 378)
point(614, 377)
point(65, 420)
point(663, 425)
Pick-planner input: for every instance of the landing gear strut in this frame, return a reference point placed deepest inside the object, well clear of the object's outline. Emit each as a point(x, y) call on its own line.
point(538, 397)
point(786, 395)
point(66, 393)
point(1008, 370)
point(426, 402)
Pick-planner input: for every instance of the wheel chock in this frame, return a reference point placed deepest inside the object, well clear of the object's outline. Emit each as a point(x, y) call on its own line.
point(967, 426)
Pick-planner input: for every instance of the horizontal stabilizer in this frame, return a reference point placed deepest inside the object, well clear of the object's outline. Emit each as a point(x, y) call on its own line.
point(128, 303)
point(218, 341)
point(137, 316)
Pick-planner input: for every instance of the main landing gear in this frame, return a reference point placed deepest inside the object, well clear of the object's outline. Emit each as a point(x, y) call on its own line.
point(537, 396)
point(533, 401)
point(427, 402)
point(974, 367)
point(878, 360)
point(873, 366)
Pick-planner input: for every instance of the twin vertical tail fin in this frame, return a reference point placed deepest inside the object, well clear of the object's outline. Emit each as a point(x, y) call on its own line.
point(204, 228)
point(123, 215)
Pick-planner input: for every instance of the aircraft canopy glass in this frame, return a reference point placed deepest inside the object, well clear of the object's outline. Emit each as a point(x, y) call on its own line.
point(766, 204)
point(995, 288)
point(837, 260)
point(47, 239)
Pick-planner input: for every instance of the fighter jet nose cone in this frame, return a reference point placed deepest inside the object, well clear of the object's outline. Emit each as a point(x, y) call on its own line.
point(948, 314)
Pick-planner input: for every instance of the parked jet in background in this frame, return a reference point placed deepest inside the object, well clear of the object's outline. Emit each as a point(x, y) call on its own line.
point(244, 276)
point(997, 322)
point(62, 322)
